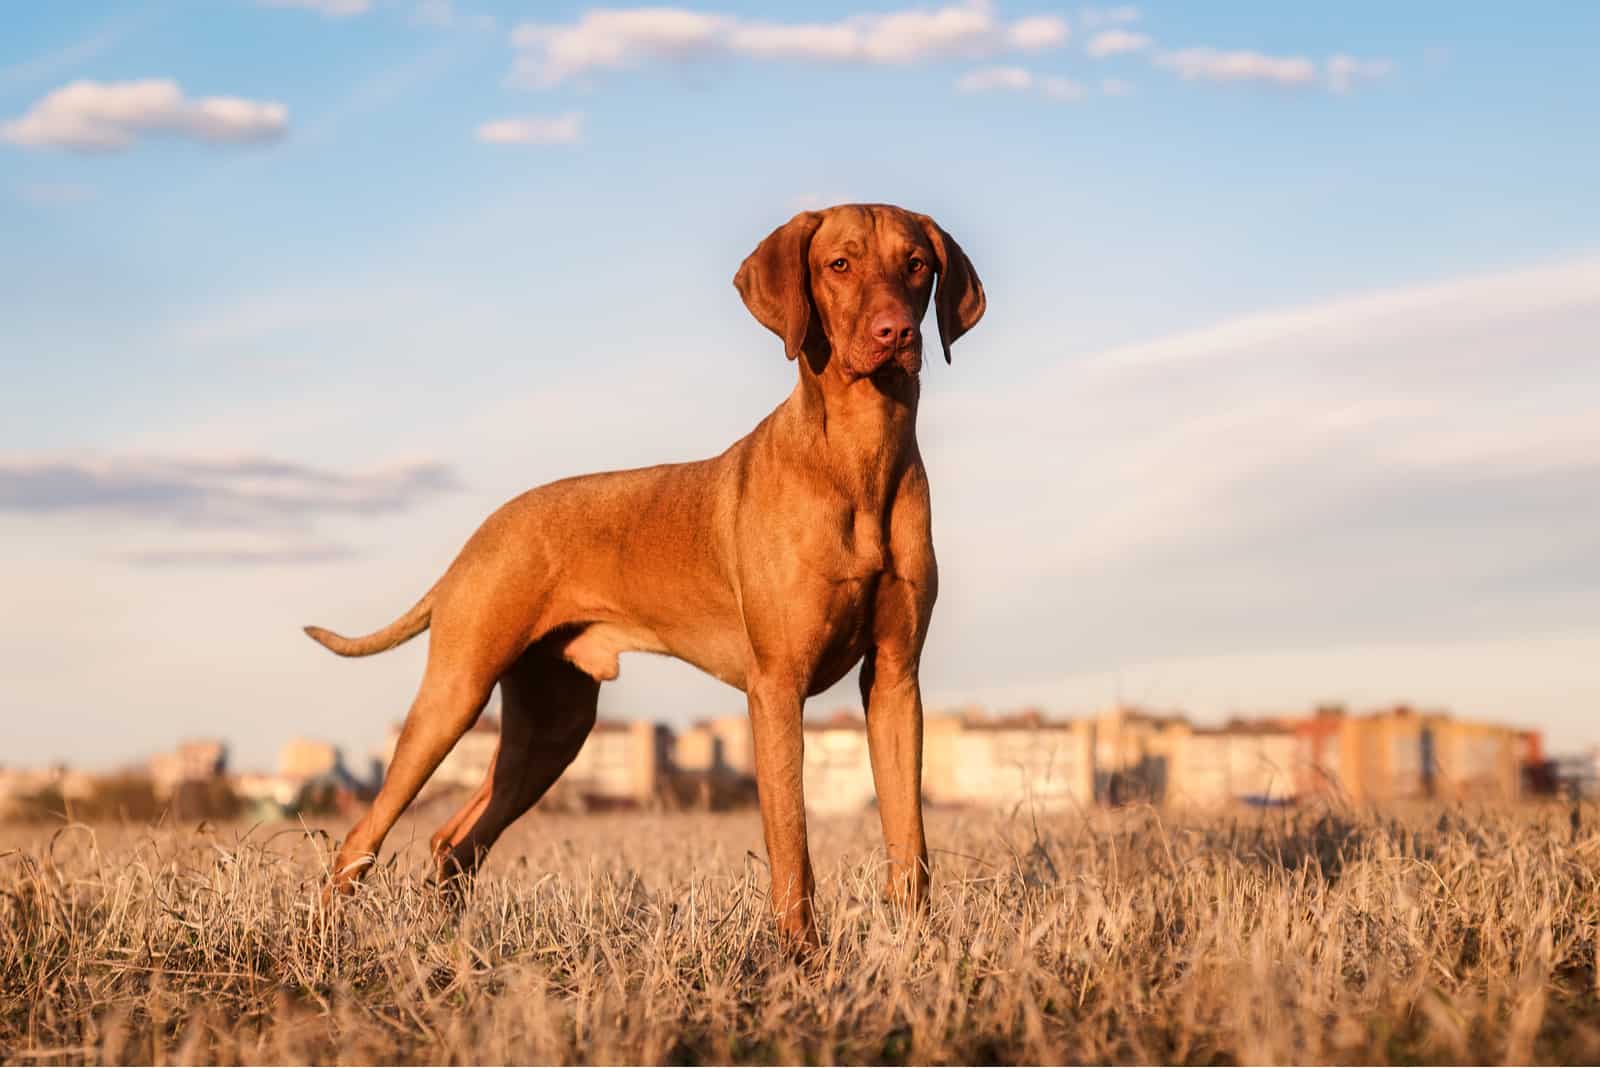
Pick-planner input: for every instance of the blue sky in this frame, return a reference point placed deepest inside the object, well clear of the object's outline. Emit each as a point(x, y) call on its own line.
point(1285, 392)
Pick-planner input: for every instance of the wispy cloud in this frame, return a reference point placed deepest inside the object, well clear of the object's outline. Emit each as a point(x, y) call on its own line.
point(248, 493)
point(1345, 72)
point(533, 130)
point(1019, 80)
point(618, 39)
point(1243, 65)
point(1462, 302)
point(111, 116)
point(64, 60)
point(1116, 42)
point(1340, 73)
point(1037, 32)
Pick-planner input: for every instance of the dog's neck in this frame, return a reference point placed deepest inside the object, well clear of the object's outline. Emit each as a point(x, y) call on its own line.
point(861, 431)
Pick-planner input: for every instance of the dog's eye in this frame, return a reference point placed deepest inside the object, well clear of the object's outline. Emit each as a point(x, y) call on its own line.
point(916, 264)
point(840, 264)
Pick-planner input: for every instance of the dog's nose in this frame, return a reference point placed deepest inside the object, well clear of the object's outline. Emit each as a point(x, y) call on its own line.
point(893, 328)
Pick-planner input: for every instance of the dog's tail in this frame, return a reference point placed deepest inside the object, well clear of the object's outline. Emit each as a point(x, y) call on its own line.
point(401, 630)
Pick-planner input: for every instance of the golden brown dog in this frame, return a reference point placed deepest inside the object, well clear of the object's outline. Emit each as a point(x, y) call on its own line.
point(776, 567)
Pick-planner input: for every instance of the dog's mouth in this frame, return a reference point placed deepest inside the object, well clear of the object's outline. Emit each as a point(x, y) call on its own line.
point(893, 371)
point(902, 361)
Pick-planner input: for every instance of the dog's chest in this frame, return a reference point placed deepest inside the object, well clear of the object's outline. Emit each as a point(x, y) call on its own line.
point(865, 555)
point(852, 566)
point(849, 553)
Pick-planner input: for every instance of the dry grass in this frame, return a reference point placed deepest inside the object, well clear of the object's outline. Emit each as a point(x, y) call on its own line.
point(1445, 935)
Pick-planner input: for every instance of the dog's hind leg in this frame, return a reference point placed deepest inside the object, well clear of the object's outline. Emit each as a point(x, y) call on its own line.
point(547, 711)
point(446, 706)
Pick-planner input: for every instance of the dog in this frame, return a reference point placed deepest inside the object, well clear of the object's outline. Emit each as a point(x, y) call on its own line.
point(802, 550)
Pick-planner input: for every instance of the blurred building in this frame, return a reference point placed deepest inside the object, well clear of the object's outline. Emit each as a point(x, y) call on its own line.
point(1135, 754)
point(266, 795)
point(305, 758)
point(713, 765)
point(1119, 756)
point(838, 767)
point(1400, 754)
point(1252, 763)
point(311, 778)
point(1473, 761)
point(21, 788)
point(716, 746)
point(464, 767)
point(970, 758)
point(195, 761)
point(621, 763)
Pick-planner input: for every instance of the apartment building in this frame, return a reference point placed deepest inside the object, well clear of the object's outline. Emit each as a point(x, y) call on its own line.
point(838, 767)
point(1401, 754)
point(972, 758)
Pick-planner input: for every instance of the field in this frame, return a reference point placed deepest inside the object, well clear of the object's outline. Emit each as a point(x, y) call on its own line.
point(1451, 935)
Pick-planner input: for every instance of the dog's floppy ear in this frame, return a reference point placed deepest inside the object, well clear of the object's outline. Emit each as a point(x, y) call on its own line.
point(775, 281)
point(960, 301)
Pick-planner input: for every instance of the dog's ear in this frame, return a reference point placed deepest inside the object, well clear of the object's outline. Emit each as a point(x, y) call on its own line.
point(960, 302)
point(775, 281)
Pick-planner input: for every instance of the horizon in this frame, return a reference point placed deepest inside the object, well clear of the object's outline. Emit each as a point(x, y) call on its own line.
point(1284, 397)
point(843, 717)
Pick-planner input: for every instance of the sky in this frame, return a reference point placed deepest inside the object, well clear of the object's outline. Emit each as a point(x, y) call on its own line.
point(1285, 393)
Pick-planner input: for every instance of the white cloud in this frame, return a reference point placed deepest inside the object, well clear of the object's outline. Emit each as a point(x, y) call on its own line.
point(816, 41)
point(909, 36)
point(1116, 87)
point(533, 130)
point(1116, 42)
point(1214, 65)
point(329, 9)
point(611, 39)
point(108, 117)
point(1344, 72)
point(1040, 31)
point(616, 39)
point(1019, 80)
point(1341, 72)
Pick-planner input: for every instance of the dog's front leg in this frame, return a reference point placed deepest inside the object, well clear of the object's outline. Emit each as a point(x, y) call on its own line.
point(893, 700)
point(775, 723)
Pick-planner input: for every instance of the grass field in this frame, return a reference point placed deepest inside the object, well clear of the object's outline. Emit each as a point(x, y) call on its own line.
point(1312, 936)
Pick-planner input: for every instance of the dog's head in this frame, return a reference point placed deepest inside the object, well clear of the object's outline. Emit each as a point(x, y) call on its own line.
point(852, 284)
